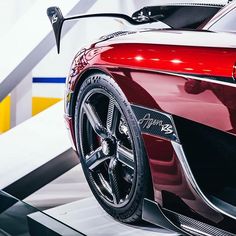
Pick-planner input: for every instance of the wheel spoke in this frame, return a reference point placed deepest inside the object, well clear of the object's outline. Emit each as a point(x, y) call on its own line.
point(125, 156)
point(105, 184)
point(112, 172)
point(95, 158)
point(106, 143)
point(113, 116)
point(94, 120)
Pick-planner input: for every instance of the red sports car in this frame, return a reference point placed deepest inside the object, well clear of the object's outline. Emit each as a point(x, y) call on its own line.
point(152, 115)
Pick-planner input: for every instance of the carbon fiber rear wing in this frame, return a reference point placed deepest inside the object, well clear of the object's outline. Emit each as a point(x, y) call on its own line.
point(57, 19)
point(191, 15)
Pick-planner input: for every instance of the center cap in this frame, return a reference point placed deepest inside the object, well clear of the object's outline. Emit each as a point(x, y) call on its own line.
point(108, 147)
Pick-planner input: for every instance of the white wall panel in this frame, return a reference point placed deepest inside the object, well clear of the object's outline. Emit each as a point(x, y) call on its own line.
point(11, 11)
point(81, 35)
point(54, 65)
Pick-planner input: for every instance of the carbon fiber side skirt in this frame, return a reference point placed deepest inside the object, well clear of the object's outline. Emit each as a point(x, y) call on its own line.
point(183, 225)
point(152, 213)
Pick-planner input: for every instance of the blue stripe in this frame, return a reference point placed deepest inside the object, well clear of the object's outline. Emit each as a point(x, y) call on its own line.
point(53, 80)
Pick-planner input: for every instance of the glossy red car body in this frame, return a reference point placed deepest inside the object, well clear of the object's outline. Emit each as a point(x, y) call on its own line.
point(193, 81)
point(139, 62)
point(190, 76)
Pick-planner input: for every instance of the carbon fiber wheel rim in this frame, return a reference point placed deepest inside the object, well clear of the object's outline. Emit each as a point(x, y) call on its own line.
point(107, 148)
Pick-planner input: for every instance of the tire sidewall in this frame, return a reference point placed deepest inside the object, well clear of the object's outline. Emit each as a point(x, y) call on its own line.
point(105, 82)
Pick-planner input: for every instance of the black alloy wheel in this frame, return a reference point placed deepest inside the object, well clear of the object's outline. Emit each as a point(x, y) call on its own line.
point(110, 146)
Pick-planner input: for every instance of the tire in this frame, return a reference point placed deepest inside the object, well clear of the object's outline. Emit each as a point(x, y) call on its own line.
point(111, 148)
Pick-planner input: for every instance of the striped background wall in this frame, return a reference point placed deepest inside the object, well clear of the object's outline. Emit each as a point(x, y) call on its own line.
point(46, 91)
point(49, 90)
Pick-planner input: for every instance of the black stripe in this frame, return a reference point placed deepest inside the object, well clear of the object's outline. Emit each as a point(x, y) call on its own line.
point(208, 77)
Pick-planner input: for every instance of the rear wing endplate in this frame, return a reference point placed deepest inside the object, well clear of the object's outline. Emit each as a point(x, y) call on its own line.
point(57, 19)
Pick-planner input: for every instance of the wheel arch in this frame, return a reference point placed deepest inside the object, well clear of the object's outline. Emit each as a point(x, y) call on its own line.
point(131, 99)
point(79, 82)
point(80, 91)
point(125, 82)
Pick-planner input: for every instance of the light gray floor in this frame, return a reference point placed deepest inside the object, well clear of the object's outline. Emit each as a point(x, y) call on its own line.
point(69, 200)
point(89, 218)
point(69, 187)
point(31, 145)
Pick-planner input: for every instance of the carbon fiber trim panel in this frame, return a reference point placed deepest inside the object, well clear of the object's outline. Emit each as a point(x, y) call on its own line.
point(117, 34)
point(155, 123)
point(200, 228)
point(178, 223)
point(195, 4)
point(153, 213)
point(196, 227)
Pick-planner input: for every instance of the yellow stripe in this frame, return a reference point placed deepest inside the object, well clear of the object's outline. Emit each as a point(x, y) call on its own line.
point(5, 107)
point(41, 103)
point(38, 104)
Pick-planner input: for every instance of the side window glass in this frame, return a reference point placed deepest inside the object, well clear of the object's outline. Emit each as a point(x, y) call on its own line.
point(226, 24)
